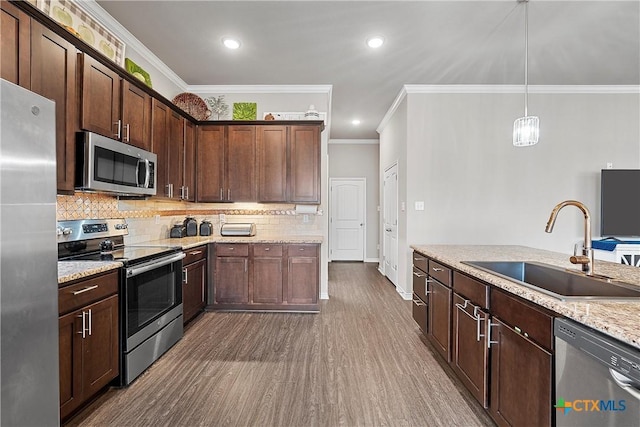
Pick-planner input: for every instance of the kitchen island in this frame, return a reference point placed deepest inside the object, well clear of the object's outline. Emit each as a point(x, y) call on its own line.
point(619, 319)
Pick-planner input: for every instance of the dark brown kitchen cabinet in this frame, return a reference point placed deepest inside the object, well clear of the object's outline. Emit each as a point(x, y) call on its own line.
point(160, 145)
point(420, 308)
point(304, 164)
point(439, 302)
point(53, 75)
point(15, 49)
point(136, 116)
point(521, 337)
point(302, 274)
point(189, 181)
point(240, 157)
point(210, 148)
point(88, 339)
point(194, 282)
point(271, 163)
point(232, 274)
point(267, 274)
point(175, 156)
point(100, 98)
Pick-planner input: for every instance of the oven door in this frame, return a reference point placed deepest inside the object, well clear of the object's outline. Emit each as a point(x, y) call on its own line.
point(152, 298)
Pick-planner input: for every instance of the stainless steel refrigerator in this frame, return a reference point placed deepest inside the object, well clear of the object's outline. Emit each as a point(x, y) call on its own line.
point(29, 392)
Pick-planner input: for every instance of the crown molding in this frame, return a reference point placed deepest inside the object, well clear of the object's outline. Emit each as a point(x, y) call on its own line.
point(215, 89)
point(102, 16)
point(394, 106)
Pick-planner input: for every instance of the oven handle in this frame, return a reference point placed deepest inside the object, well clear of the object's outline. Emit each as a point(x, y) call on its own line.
point(152, 265)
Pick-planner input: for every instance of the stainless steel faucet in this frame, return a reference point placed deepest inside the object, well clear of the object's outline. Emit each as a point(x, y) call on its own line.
point(586, 259)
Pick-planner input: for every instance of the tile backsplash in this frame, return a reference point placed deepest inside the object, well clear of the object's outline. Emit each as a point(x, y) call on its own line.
point(152, 219)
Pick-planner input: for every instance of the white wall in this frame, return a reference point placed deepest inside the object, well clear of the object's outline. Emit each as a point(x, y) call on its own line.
point(479, 189)
point(361, 161)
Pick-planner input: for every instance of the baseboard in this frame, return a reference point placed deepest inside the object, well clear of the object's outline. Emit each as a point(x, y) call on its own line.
point(324, 295)
point(405, 295)
point(371, 260)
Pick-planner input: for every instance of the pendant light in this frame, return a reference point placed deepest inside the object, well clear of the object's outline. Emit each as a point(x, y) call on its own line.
point(526, 130)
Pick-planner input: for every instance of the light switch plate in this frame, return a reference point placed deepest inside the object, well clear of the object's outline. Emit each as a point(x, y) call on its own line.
point(419, 206)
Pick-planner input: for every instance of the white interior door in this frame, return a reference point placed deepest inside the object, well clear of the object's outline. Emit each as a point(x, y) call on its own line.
point(347, 224)
point(390, 222)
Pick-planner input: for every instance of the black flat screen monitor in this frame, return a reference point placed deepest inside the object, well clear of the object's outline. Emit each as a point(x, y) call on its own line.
point(620, 202)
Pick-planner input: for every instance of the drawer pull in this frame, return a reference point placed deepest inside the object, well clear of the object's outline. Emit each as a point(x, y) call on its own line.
point(231, 248)
point(436, 269)
point(301, 249)
point(87, 289)
point(418, 258)
point(195, 253)
point(418, 274)
point(267, 249)
point(419, 303)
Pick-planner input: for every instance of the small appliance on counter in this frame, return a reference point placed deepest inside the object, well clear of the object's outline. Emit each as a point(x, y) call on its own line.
point(178, 231)
point(238, 229)
point(190, 226)
point(206, 228)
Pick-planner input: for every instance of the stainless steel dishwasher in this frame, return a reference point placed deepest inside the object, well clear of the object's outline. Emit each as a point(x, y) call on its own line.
point(597, 378)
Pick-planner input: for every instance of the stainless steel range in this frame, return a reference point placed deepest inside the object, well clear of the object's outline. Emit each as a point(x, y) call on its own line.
point(150, 288)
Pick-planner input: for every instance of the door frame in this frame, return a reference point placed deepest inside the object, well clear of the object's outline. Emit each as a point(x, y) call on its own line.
point(364, 213)
point(384, 249)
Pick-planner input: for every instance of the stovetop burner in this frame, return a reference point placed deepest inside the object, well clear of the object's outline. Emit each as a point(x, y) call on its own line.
point(126, 254)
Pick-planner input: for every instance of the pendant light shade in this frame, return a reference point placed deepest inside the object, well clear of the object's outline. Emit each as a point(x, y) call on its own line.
point(526, 129)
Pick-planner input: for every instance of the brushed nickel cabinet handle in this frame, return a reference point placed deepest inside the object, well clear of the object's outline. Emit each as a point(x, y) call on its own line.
point(83, 331)
point(87, 289)
point(221, 194)
point(127, 137)
point(118, 126)
point(195, 253)
point(89, 316)
point(436, 269)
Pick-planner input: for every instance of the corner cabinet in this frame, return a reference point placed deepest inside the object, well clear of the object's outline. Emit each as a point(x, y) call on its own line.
point(265, 162)
point(265, 276)
point(88, 339)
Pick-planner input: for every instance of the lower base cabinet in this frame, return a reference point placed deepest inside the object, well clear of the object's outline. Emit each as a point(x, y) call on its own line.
point(263, 276)
point(194, 283)
point(88, 339)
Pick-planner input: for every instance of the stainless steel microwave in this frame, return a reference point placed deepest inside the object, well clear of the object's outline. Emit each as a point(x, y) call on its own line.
point(109, 166)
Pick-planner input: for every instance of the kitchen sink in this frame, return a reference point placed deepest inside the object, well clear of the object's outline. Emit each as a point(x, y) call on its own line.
point(558, 282)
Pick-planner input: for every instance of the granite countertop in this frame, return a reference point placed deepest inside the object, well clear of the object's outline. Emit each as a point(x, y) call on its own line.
point(73, 270)
point(192, 242)
point(618, 319)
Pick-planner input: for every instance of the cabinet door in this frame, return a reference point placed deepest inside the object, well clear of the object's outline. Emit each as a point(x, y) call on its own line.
point(176, 155)
point(470, 352)
point(302, 281)
point(240, 167)
point(440, 318)
point(520, 379)
point(100, 99)
point(272, 163)
point(70, 357)
point(136, 116)
point(160, 144)
point(53, 75)
point(189, 181)
point(100, 353)
point(15, 45)
point(210, 147)
point(267, 280)
point(232, 280)
point(304, 167)
point(193, 295)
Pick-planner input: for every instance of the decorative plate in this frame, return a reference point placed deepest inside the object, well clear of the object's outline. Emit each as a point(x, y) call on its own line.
point(137, 71)
point(192, 104)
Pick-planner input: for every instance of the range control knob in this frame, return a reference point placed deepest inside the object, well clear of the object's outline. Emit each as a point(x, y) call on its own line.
point(122, 226)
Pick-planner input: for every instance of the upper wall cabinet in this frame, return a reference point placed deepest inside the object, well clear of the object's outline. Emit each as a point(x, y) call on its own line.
point(240, 174)
point(15, 49)
point(136, 116)
point(304, 164)
point(271, 163)
point(100, 99)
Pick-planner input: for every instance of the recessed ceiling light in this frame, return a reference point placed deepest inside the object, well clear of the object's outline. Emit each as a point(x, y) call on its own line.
point(355, 122)
point(231, 43)
point(375, 42)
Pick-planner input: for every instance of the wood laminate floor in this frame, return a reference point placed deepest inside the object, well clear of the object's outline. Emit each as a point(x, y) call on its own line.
point(360, 361)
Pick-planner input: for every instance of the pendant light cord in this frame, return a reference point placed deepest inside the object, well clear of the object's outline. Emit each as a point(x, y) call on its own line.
point(526, 57)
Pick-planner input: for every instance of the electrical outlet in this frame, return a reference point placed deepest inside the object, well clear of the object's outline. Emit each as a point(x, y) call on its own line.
point(305, 218)
point(222, 218)
point(609, 165)
point(157, 219)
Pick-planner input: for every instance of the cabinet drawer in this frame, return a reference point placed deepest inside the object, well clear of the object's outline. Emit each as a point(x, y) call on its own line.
point(471, 289)
point(420, 313)
point(525, 319)
point(420, 261)
point(267, 250)
point(310, 250)
point(420, 283)
point(232, 249)
point(82, 293)
point(194, 254)
point(440, 272)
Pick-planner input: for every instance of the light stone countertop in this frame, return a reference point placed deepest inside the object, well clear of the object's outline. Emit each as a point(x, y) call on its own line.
point(618, 319)
point(192, 242)
point(73, 270)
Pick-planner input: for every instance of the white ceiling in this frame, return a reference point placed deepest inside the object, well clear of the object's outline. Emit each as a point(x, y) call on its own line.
point(576, 42)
